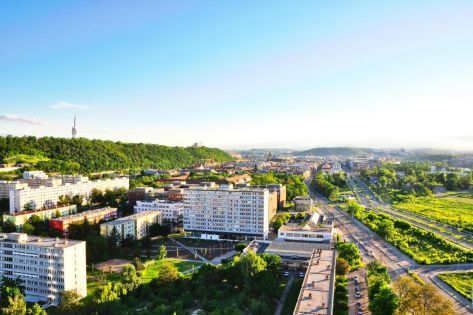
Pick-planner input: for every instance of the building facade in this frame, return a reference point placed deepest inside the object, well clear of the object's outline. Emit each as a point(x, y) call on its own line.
point(46, 265)
point(18, 219)
point(227, 211)
point(92, 216)
point(170, 211)
point(48, 196)
point(136, 225)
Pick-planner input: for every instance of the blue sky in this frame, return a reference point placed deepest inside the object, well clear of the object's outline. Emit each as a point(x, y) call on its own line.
point(240, 74)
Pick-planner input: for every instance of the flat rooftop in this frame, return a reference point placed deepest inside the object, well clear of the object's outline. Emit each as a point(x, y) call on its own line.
point(22, 238)
point(316, 295)
point(300, 249)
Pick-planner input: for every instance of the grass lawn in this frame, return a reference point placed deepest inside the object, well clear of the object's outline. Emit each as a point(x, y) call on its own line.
point(291, 299)
point(152, 270)
point(450, 208)
point(462, 282)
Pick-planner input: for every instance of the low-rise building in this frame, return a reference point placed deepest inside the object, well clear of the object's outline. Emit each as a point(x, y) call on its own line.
point(18, 219)
point(46, 266)
point(302, 203)
point(316, 229)
point(170, 210)
point(92, 216)
point(136, 225)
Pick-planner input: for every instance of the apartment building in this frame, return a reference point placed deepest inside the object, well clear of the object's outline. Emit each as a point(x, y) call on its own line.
point(46, 265)
point(46, 196)
point(18, 219)
point(136, 225)
point(227, 211)
point(92, 216)
point(170, 210)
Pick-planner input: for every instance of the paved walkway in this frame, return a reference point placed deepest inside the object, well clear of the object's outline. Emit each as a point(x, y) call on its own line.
point(284, 295)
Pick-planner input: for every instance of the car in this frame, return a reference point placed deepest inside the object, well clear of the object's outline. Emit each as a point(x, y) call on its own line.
point(301, 274)
point(356, 282)
point(356, 278)
point(357, 289)
point(358, 306)
point(357, 295)
point(285, 273)
point(360, 313)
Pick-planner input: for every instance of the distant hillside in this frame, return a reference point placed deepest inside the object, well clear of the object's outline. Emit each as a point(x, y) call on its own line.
point(87, 156)
point(344, 151)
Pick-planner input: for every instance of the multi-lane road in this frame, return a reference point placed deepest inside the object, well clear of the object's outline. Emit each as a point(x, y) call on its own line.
point(373, 247)
point(451, 233)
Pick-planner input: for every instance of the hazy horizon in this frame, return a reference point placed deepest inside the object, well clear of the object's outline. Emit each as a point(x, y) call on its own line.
point(240, 75)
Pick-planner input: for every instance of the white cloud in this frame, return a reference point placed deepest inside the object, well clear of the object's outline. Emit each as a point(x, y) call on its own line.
point(28, 120)
point(63, 104)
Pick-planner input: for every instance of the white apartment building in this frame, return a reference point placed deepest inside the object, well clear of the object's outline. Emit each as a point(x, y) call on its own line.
point(170, 210)
point(136, 225)
point(34, 174)
point(226, 210)
point(46, 265)
point(336, 167)
point(6, 186)
point(48, 196)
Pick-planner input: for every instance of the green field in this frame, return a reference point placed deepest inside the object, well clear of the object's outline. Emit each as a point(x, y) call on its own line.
point(452, 208)
point(152, 270)
point(462, 282)
point(424, 246)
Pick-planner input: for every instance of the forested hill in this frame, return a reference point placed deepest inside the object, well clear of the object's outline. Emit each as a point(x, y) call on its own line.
point(86, 156)
point(346, 151)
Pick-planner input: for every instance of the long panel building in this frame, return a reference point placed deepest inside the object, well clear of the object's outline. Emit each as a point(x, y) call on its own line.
point(46, 265)
point(136, 225)
point(227, 211)
point(39, 193)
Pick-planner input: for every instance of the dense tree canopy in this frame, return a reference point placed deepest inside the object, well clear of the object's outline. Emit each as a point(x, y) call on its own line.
point(86, 156)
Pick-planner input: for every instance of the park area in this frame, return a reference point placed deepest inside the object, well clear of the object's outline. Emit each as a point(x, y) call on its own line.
point(97, 277)
point(450, 208)
point(462, 282)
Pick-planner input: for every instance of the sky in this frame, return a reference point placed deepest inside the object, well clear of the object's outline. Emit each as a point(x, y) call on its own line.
point(240, 74)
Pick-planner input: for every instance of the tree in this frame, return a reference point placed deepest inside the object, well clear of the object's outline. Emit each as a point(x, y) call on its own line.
point(239, 247)
point(10, 288)
point(163, 253)
point(420, 299)
point(342, 267)
point(8, 227)
point(273, 263)
point(68, 301)
point(385, 302)
point(167, 273)
point(28, 228)
point(251, 264)
point(349, 252)
point(109, 292)
point(129, 278)
point(16, 305)
point(138, 264)
point(36, 310)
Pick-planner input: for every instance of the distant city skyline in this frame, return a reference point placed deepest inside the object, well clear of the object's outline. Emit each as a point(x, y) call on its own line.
point(240, 75)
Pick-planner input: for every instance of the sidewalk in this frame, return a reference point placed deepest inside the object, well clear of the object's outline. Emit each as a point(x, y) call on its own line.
point(284, 296)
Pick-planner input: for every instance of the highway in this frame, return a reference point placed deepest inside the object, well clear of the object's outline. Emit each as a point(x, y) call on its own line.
point(373, 247)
